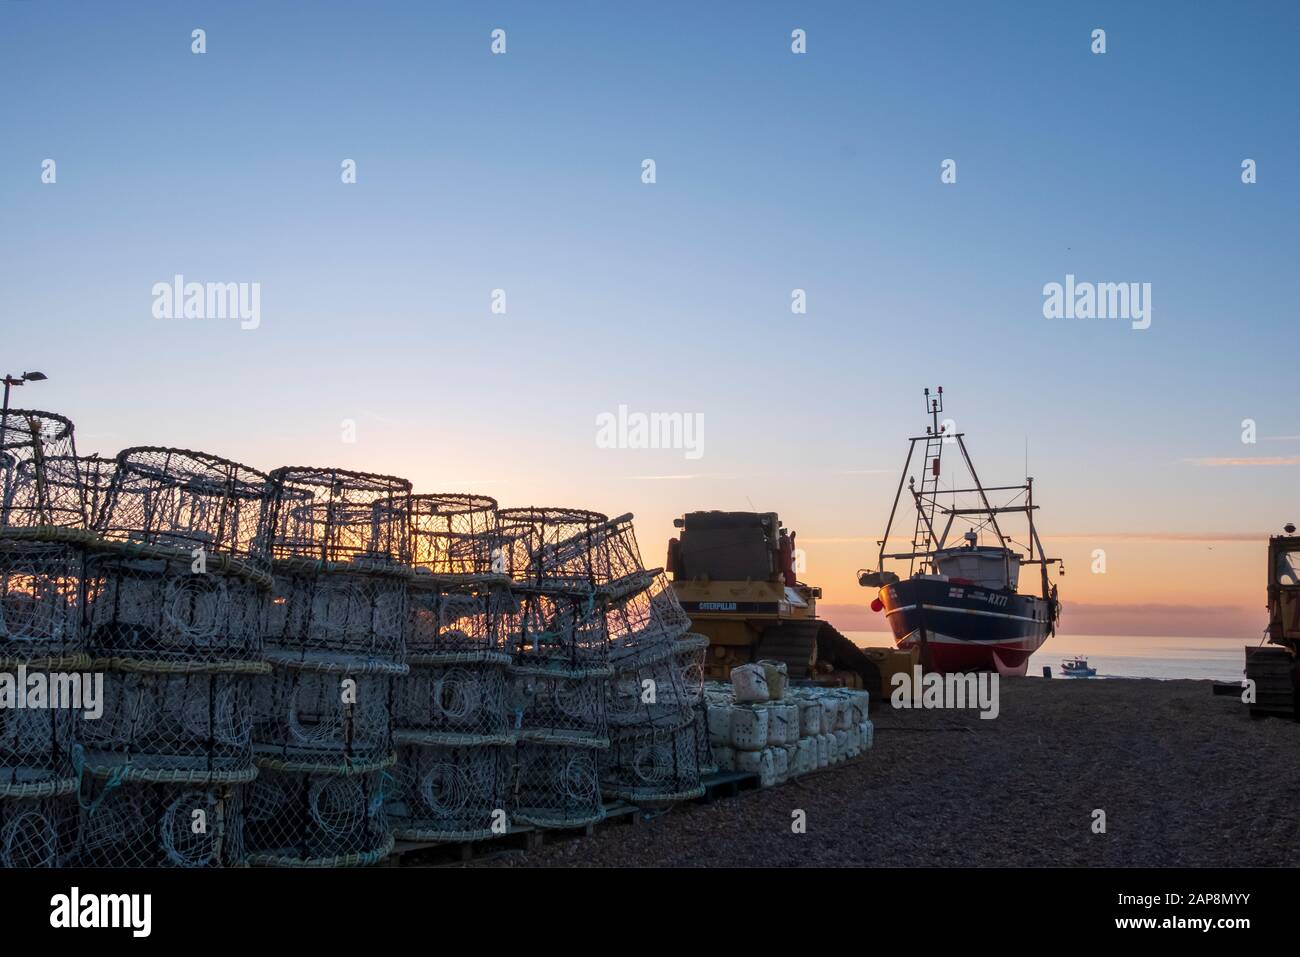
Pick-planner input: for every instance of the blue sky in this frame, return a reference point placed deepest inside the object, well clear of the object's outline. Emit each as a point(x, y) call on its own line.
point(775, 172)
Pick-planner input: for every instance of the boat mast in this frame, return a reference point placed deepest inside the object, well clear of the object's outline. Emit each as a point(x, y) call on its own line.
point(933, 440)
point(926, 540)
point(927, 497)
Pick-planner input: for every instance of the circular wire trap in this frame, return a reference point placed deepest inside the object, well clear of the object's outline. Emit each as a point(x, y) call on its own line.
point(186, 500)
point(337, 515)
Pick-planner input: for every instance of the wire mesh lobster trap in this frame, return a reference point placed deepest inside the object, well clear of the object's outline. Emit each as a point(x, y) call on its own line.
point(457, 623)
point(336, 639)
point(62, 491)
point(552, 708)
point(552, 548)
point(334, 515)
point(617, 557)
point(323, 716)
point(557, 786)
point(456, 537)
point(652, 765)
point(571, 551)
point(450, 716)
point(42, 599)
point(565, 633)
point(559, 719)
point(44, 519)
point(339, 541)
point(30, 436)
point(458, 594)
point(339, 614)
point(655, 701)
point(186, 500)
point(190, 727)
point(453, 738)
point(157, 607)
point(658, 687)
point(141, 824)
point(645, 619)
point(180, 576)
point(453, 705)
point(317, 819)
point(37, 748)
point(37, 831)
point(457, 793)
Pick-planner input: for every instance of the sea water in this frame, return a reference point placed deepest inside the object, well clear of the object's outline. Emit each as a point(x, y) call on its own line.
point(1126, 656)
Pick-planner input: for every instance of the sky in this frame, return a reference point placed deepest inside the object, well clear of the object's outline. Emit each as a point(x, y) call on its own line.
point(523, 172)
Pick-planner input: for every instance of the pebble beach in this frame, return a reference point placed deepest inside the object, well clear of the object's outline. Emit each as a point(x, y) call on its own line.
point(1185, 778)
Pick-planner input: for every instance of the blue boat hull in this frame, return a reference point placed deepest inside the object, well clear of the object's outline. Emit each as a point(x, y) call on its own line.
point(963, 627)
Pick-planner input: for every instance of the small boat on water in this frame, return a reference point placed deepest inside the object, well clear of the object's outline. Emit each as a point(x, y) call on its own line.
point(959, 603)
point(1076, 667)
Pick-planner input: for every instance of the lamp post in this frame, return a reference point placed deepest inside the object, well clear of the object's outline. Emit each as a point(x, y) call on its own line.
point(10, 381)
point(13, 380)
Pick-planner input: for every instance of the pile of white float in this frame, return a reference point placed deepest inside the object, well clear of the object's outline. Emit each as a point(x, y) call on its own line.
point(760, 725)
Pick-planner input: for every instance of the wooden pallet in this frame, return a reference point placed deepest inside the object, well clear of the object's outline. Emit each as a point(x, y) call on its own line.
point(726, 784)
point(525, 837)
point(1272, 670)
point(519, 838)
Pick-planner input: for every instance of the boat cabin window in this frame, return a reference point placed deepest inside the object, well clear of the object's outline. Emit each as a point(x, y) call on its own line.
point(1288, 567)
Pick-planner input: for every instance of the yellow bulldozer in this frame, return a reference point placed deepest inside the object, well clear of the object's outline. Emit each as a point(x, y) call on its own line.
point(1273, 667)
point(735, 575)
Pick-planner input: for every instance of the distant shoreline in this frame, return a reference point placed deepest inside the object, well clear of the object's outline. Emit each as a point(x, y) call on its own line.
point(1165, 657)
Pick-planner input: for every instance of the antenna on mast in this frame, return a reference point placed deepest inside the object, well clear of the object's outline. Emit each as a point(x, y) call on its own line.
point(934, 406)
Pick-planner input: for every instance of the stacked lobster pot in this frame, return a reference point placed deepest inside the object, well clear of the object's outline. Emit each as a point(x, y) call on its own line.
point(658, 741)
point(451, 727)
point(43, 535)
point(176, 587)
point(335, 640)
point(562, 579)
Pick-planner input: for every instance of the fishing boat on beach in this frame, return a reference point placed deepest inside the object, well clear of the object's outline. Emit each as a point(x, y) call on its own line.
point(960, 603)
point(1076, 667)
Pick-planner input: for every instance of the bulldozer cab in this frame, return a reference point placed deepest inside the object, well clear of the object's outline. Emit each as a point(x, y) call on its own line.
point(728, 546)
point(735, 576)
point(1275, 671)
point(1284, 590)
